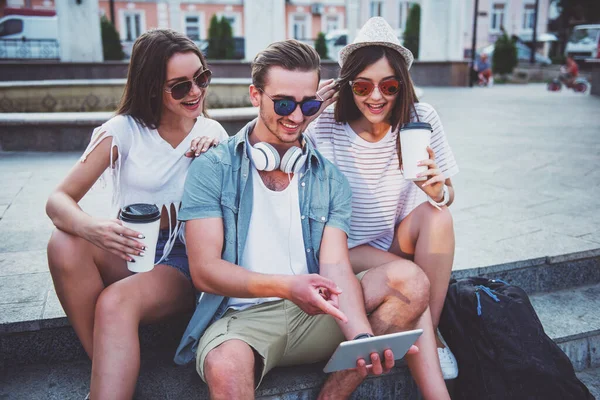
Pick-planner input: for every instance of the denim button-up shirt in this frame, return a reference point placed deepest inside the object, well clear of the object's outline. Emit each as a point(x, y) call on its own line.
point(219, 185)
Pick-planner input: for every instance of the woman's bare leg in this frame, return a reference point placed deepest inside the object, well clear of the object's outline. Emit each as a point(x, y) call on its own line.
point(142, 298)
point(426, 236)
point(80, 271)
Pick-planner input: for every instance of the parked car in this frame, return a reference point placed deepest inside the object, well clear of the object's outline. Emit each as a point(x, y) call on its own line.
point(584, 43)
point(28, 36)
point(523, 54)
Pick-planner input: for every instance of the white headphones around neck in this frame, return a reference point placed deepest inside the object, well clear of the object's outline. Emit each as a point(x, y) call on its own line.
point(266, 158)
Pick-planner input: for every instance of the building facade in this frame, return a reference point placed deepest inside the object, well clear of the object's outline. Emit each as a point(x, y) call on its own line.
point(304, 19)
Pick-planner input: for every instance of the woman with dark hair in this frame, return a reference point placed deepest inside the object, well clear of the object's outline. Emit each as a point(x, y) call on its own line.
point(146, 149)
point(394, 220)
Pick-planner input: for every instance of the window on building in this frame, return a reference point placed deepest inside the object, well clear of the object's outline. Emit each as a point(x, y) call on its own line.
point(192, 27)
point(497, 16)
point(133, 26)
point(529, 16)
point(300, 27)
point(403, 11)
point(376, 8)
point(332, 23)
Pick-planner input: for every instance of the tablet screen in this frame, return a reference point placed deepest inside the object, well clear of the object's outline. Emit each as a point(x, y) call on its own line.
point(348, 353)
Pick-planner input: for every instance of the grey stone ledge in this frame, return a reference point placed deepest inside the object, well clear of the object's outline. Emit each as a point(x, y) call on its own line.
point(98, 118)
point(104, 82)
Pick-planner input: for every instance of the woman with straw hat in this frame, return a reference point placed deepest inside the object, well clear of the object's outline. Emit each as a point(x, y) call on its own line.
point(394, 220)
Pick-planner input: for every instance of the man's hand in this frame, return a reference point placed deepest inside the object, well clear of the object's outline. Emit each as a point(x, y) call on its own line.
point(377, 367)
point(315, 295)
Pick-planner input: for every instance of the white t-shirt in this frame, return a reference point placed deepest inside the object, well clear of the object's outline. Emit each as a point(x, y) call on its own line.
point(381, 197)
point(275, 244)
point(148, 169)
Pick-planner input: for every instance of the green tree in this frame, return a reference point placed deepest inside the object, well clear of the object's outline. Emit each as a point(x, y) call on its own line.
point(504, 59)
point(321, 46)
point(227, 45)
point(214, 38)
point(111, 43)
point(412, 31)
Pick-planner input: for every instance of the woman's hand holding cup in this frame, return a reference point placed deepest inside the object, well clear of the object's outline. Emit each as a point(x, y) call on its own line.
point(434, 185)
point(113, 237)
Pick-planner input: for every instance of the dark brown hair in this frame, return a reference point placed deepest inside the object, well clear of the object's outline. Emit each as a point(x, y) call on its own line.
point(345, 107)
point(144, 90)
point(290, 54)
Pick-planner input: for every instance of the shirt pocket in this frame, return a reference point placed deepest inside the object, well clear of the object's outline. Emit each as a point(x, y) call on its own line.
point(230, 209)
point(317, 218)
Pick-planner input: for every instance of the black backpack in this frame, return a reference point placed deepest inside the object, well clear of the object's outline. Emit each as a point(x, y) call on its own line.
point(501, 348)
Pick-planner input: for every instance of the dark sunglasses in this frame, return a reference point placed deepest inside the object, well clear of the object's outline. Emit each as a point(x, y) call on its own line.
point(181, 89)
point(388, 87)
point(285, 107)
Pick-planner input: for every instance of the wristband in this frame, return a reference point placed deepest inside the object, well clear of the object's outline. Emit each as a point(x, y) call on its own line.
point(444, 201)
point(363, 336)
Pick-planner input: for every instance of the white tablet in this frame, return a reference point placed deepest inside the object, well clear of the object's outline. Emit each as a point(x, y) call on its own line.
point(348, 353)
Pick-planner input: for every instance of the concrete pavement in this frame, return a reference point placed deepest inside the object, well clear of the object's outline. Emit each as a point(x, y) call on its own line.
point(529, 187)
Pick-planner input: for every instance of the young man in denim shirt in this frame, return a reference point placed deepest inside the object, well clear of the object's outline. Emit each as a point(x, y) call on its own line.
point(267, 219)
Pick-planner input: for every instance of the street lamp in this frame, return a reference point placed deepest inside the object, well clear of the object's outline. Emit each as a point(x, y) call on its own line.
point(473, 43)
point(534, 37)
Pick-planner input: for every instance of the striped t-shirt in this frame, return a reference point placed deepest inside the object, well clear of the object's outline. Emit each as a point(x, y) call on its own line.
point(381, 197)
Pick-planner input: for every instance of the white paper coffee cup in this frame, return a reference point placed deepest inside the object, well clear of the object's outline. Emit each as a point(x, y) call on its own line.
point(415, 137)
point(145, 219)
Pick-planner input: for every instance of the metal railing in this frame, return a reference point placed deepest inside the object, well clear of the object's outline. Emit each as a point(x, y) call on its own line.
point(29, 49)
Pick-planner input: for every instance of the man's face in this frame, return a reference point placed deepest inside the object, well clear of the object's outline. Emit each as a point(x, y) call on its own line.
point(284, 84)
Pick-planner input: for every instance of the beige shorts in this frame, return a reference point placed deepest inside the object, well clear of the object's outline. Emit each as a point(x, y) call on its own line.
point(279, 331)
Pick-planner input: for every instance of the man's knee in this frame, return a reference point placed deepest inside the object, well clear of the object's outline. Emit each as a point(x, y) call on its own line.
point(228, 366)
point(410, 281)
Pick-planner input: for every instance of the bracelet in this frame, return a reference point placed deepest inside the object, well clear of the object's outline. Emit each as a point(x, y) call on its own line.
point(444, 201)
point(363, 336)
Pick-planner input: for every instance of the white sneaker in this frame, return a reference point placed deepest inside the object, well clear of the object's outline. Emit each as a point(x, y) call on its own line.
point(447, 360)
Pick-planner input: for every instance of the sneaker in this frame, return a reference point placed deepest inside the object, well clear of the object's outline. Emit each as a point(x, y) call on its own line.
point(447, 360)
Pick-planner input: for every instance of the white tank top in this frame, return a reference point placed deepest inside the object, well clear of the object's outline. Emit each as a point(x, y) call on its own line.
point(148, 169)
point(275, 244)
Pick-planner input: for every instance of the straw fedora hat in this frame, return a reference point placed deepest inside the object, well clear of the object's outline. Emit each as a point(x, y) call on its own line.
point(376, 32)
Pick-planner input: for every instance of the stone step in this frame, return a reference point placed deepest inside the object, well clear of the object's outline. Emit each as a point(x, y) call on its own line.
point(591, 379)
point(161, 379)
point(42, 340)
point(570, 316)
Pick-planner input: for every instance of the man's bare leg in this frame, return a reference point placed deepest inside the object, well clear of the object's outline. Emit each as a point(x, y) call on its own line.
point(229, 371)
point(396, 297)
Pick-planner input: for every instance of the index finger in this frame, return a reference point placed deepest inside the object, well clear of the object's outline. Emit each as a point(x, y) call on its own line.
point(328, 308)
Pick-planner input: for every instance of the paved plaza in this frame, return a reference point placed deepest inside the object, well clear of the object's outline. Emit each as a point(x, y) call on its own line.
point(528, 187)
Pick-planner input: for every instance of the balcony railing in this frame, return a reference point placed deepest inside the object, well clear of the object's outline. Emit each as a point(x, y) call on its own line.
point(29, 49)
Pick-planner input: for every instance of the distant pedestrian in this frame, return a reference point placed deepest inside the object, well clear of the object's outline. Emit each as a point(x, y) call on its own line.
point(394, 222)
point(146, 149)
point(569, 72)
point(484, 70)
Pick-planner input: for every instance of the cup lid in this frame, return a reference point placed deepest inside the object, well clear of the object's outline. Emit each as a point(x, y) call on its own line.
point(417, 125)
point(140, 212)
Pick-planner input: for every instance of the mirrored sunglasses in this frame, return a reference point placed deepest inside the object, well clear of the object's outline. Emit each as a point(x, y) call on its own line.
point(388, 87)
point(285, 107)
point(181, 89)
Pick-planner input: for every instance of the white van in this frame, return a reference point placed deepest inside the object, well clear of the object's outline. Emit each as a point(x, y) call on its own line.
point(28, 36)
point(584, 42)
